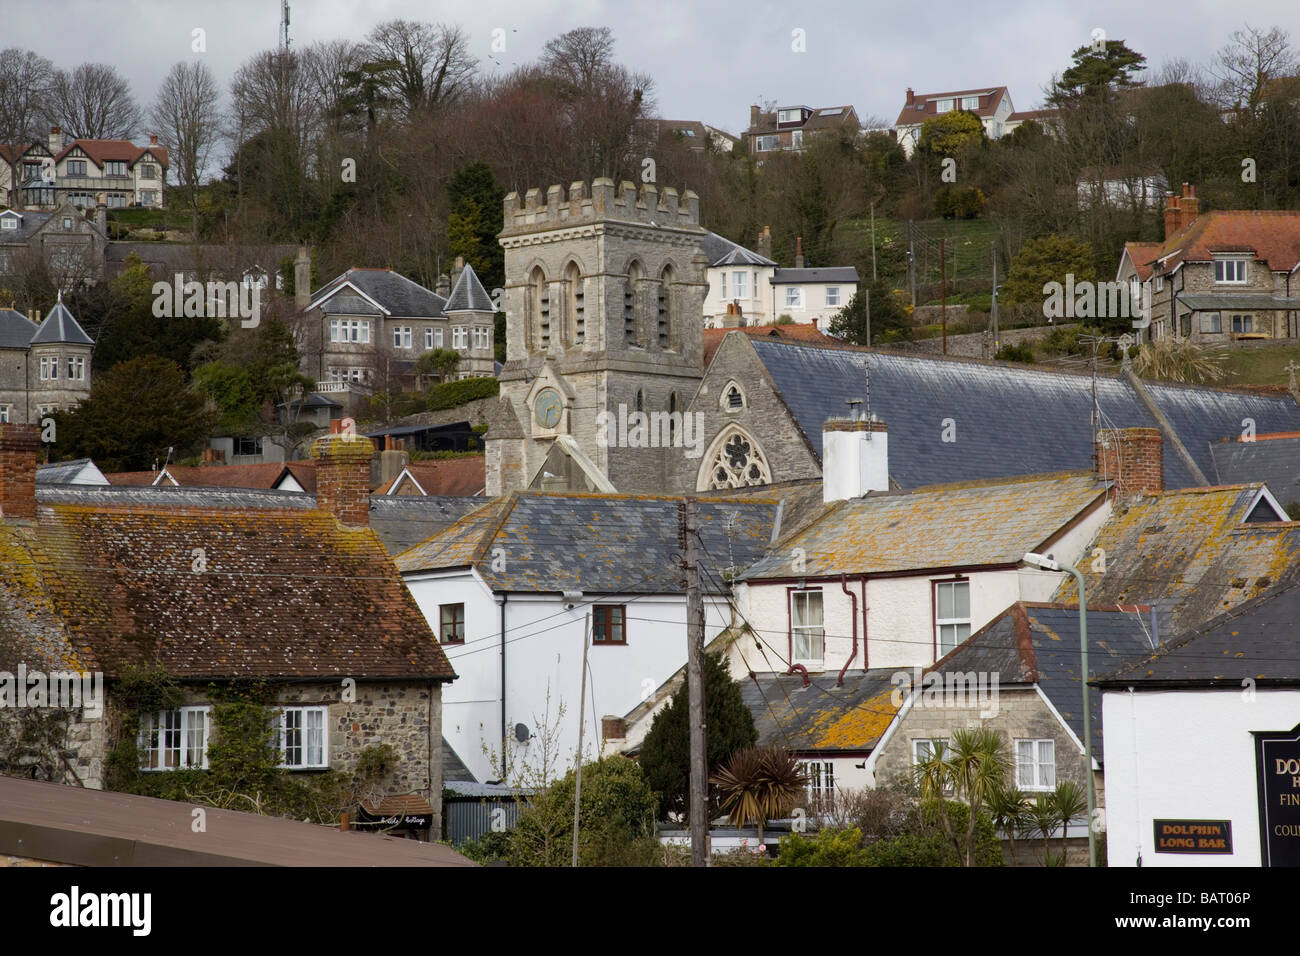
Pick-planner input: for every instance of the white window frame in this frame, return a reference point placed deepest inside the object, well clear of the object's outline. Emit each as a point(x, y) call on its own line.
point(460, 337)
point(833, 296)
point(1036, 772)
point(740, 285)
point(1221, 271)
point(190, 722)
point(304, 714)
point(812, 633)
point(43, 410)
point(428, 337)
point(482, 338)
point(970, 102)
point(4, 414)
point(76, 368)
point(350, 331)
point(767, 144)
point(943, 106)
point(401, 336)
point(789, 116)
point(821, 778)
point(926, 743)
point(794, 297)
point(722, 290)
point(955, 621)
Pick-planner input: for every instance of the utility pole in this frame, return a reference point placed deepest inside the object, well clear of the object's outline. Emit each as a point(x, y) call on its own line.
point(868, 318)
point(994, 306)
point(698, 804)
point(873, 242)
point(943, 296)
point(911, 259)
point(582, 725)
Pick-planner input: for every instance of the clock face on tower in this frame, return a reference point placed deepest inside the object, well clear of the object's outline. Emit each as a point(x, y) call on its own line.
point(547, 407)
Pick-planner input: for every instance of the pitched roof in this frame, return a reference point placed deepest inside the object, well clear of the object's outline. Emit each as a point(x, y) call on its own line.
point(76, 471)
point(403, 521)
point(1189, 553)
point(1272, 235)
point(101, 151)
point(823, 118)
point(267, 475)
point(822, 716)
point(1252, 642)
point(721, 251)
point(1032, 643)
point(824, 274)
point(59, 326)
point(919, 111)
point(790, 331)
point(16, 330)
point(987, 402)
point(458, 477)
point(1272, 459)
point(402, 297)
point(1025, 116)
point(468, 294)
point(286, 593)
point(1143, 256)
point(30, 222)
point(947, 526)
point(602, 544)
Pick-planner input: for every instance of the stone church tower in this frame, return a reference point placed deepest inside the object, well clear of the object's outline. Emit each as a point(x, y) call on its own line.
point(604, 296)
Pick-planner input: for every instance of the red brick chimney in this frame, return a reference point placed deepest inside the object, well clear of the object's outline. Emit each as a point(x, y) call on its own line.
point(1189, 207)
point(18, 447)
point(765, 243)
point(1133, 458)
point(1173, 216)
point(911, 97)
point(343, 476)
point(153, 139)
point(798, 252)
point(754, 113)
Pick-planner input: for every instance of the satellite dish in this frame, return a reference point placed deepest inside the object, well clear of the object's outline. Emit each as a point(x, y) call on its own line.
point(522, 734)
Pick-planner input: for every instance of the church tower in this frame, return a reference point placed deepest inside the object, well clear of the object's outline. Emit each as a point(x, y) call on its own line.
point(604, 297)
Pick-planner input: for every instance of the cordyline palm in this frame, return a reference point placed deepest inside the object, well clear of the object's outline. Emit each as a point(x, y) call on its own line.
point(759, 783)
point(1067, 802)
point(1043, 814)
point(1009, 808)
point(973, 767)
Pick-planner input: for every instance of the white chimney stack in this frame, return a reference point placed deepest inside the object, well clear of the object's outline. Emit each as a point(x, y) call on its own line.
point(855, 458)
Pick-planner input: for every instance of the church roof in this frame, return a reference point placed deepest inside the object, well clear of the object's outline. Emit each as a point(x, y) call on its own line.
point(1006, 419)
point(468, 294)
point(59, 326)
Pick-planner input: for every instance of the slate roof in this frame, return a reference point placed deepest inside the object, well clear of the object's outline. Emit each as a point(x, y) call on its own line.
point(821, 717)
point(285, 594)
point(947, 526)
point(453, 768)
point(30, 223)
point(1189, 553)
point(468, 294)
point(1272, 459)
point(826, 274)
point(457, 477)
point(402, 297)
point(403, 521)
point(171, 496)
point(721, 251)
point(1032, 643)
point(1009, 419)
point(1213, 301)
point(1255, 641)
point(16, 330)
point(66, 472)
point(60, 326)
point(598, 544)
point(918, 112)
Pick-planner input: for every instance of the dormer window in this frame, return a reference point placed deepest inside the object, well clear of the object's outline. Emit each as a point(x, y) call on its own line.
point(789, 116)
point(9, 222)
point(943, 106)
point(970, 102)
point(1230, 271)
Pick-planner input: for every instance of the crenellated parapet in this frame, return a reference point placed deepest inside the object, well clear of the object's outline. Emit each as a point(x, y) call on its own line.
point(600, 201)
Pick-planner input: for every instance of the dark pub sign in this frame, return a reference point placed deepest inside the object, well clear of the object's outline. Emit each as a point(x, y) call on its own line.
point(1193, 836)
point(1277, 764)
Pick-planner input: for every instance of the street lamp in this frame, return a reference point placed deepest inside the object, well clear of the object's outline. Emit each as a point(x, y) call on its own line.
point(1048, 563)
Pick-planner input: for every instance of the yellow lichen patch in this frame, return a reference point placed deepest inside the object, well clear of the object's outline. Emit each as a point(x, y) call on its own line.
point(857, 727)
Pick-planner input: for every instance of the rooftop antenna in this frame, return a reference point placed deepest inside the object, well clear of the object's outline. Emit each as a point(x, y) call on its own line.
point(284, 26)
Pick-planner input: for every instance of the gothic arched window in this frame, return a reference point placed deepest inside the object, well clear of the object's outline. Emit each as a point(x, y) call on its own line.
point(666, 280)
point(734, 460)
point(634, 275)
point(539, 310)
point(576, 319)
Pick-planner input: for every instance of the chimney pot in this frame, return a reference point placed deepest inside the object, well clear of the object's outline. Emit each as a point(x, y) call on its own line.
point(911, 97)
point(153, 139)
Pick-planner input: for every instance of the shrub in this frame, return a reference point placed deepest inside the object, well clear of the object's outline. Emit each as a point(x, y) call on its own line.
point(1015, 353)
point(451, 394)
point(830, 847)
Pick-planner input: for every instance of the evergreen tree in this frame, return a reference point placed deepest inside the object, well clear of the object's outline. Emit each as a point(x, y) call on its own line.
point(888, 320)
point(666, 751)
point(474, 221)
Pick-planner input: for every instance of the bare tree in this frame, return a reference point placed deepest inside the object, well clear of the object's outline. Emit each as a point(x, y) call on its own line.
point(581, 57)
point(1249, 62)
point(25, 80)
point(94, 101)
point(187, 117)
point(430, 65)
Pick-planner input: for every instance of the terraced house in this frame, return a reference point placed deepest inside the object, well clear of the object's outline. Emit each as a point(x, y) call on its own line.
point(218, 589)
point(83, 172)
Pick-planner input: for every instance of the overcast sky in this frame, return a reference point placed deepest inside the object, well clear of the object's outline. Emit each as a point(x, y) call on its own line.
point(710, 59)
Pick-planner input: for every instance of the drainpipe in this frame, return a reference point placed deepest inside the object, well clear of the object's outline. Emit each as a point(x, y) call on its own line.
point(866, 652)
point(854, 599)
point(505, 596)
point(803, 671)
